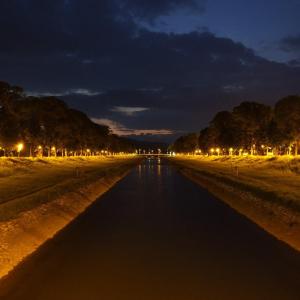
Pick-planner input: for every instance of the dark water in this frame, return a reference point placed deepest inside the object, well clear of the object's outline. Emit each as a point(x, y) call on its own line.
point(156, 235)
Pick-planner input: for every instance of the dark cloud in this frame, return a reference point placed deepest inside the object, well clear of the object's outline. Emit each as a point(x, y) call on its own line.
point(151, 9)
point(294, 63)
point(291, 44)
point(95, 55)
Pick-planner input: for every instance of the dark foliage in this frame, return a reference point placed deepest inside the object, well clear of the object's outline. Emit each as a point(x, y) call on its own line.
point(48, 123)
point(251, 126)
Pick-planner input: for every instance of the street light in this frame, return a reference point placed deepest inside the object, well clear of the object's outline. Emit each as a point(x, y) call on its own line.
point(53, 151)
point(40, 150)
point(20, 147)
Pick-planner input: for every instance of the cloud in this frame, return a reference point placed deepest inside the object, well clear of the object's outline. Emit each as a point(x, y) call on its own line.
point(85, 92)
point(294, 63)
point(121, 130)
point(233, 88)
point(81, 92)
point(291, 43)
point(128, 111)
point(151, 9)
point(54, 46)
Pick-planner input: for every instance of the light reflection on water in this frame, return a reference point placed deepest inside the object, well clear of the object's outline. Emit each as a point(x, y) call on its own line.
point(151, 166)
point(158, 168)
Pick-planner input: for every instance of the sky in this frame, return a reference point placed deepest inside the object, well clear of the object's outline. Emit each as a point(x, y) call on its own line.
point(152, 69)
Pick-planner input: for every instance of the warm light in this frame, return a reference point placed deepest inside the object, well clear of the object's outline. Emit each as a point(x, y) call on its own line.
point(88, 150)
point(20, 147)
point(212, 150)
point(40, 147)
point(218, 150)
point(53, 148)
point(263, 146)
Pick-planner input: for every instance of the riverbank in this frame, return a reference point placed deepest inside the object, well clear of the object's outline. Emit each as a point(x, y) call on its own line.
point(39, 197)
point(264, 189)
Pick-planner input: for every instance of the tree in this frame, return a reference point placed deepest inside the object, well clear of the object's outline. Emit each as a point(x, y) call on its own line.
point(207, 139)
point(225, 130)
point(186, 144)
point(287, 117)
point(252, 119)
point(8, 95)
point(9, 123)
point(43, 123)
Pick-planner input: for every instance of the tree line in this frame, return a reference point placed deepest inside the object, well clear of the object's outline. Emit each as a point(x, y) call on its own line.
point(250, 128)
point(47, 126)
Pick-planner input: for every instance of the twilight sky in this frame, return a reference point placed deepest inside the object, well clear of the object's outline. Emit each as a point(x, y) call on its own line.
point(156, 68)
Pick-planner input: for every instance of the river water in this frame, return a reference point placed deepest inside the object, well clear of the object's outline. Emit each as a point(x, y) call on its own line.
point(158, 236)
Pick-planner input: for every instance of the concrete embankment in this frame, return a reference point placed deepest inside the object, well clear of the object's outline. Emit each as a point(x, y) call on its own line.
point(23, 233)
point(269, 198)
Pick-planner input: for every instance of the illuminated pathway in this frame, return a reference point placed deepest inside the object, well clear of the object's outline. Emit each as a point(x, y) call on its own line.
point(158, 236)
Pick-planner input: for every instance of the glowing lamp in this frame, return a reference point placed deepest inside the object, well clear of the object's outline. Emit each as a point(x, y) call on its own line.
point(20, 147)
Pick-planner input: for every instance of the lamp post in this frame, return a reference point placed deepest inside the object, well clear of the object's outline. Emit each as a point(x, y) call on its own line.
point(40, 150)
point(20, 147)
point(53, 150)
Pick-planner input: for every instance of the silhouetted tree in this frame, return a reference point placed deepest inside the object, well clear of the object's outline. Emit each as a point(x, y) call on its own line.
point(225, 129)
point(287, 117)
point(48, 122)
point(187, 143)
point(252, 120)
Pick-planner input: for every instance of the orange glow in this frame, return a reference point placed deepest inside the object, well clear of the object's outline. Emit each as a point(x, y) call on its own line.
point(20, 147)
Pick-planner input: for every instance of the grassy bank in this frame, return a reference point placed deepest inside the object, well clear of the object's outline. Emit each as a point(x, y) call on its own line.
point(26, 183)
point(39, 197)
point(265, 189)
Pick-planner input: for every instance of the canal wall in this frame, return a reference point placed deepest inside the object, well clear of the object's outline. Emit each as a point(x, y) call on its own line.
point(21, 236)
point(266, 210)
